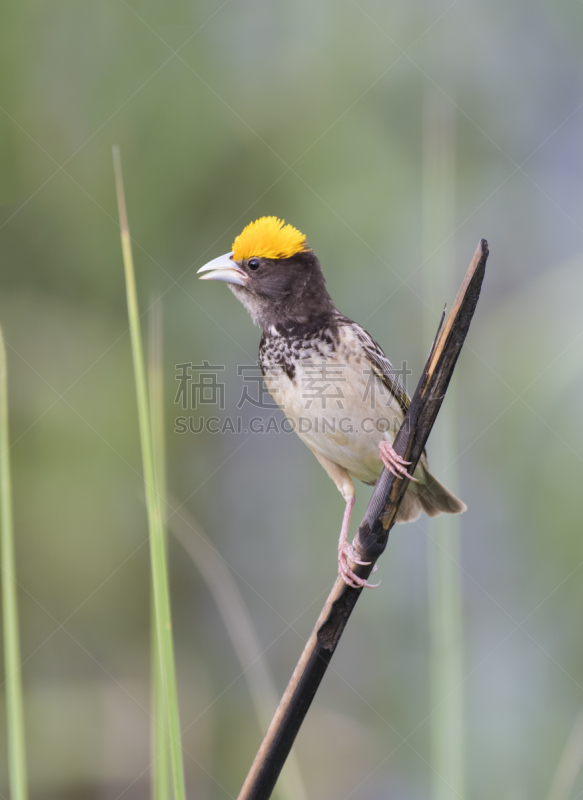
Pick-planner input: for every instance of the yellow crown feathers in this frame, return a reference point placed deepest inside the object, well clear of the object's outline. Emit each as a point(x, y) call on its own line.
point(268, 237)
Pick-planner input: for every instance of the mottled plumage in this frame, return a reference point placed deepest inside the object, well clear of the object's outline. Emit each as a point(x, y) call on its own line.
point(331, 379)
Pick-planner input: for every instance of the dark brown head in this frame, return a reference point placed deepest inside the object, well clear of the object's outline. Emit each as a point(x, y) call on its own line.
point(274, 274)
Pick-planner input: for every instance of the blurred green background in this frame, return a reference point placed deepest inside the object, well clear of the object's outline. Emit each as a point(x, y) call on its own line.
point(319, 113)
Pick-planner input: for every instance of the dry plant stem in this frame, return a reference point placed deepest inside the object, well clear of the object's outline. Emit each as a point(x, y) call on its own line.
point(371, 538)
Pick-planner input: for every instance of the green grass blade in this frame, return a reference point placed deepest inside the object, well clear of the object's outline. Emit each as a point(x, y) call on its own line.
point(161, 768)
point(444, 578)
point(239, 625)
point(157, 545)
point(14, 704)
point(569, 765)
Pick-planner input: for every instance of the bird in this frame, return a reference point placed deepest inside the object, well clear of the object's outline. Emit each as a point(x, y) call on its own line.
point(333, 382)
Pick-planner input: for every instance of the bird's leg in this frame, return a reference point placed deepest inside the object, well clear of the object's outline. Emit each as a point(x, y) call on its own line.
point(393, 461)
point(346, 551)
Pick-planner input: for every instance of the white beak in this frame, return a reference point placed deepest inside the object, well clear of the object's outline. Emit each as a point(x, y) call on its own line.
point(225, 269)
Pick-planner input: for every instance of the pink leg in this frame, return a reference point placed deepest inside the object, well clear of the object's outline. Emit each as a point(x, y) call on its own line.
point(393, 462)
point(346, 551)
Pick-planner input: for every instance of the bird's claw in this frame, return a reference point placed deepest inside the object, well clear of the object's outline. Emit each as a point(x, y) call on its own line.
point(349, 577)
point(394, 462)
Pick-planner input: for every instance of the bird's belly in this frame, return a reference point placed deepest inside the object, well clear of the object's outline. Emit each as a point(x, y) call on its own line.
point(356, 452)
point(338, 421)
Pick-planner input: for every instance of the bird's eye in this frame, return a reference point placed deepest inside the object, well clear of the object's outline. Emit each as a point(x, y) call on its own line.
point(253, 263)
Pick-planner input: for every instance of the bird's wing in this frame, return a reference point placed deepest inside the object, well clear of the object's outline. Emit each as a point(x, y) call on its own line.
point(381, 365)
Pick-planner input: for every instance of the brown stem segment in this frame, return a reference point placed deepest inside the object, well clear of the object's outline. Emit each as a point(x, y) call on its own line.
point(371, 538)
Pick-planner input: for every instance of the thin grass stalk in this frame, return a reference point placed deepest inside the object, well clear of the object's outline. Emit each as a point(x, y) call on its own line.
point(444, 579)
point(157, 546)
point(244, 638)
point(161, 767)
point(14, 704)
point(569, 765)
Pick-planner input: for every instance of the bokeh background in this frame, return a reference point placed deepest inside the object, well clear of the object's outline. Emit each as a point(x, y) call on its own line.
point(395, 136)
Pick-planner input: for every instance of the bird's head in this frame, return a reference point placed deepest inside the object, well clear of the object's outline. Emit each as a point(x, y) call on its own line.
point(273, 272)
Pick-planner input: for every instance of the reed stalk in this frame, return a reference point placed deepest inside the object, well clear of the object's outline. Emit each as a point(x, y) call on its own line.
point(161, 592)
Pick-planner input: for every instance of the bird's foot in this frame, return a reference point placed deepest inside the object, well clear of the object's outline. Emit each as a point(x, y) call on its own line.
point(393, 461)
point(346, 551)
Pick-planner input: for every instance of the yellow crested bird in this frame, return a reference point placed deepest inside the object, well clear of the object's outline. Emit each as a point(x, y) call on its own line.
point(331, 379)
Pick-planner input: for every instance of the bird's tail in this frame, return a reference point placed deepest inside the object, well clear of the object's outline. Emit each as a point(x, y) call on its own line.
point(428, 495)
